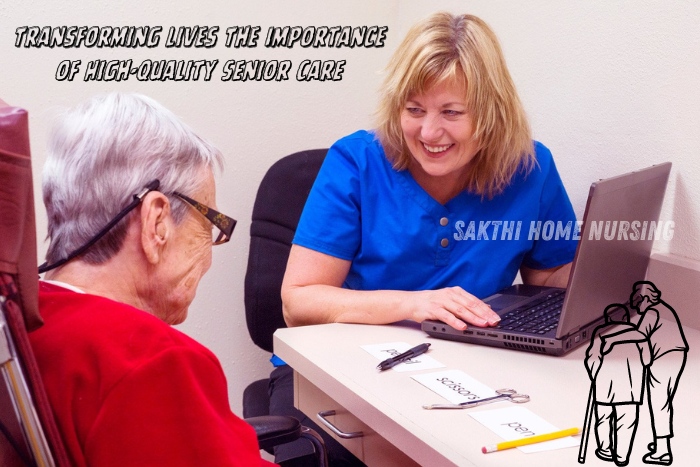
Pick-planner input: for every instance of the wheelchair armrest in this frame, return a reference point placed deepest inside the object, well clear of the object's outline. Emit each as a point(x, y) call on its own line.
point(275, 429)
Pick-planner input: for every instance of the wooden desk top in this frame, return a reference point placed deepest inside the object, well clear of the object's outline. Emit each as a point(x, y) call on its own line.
point(330, 356)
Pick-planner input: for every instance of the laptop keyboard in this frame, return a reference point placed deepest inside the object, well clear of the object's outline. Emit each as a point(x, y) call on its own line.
point(538, 317)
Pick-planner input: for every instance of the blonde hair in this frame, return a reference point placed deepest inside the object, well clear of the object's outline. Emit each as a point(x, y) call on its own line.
point(461, 49)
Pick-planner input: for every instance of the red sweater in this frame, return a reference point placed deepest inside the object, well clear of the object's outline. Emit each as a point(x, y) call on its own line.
point(129, 390)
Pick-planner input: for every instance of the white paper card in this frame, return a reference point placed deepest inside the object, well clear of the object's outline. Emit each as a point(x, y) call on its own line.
point(518, 422)
point(454, 385)
point(391, 349)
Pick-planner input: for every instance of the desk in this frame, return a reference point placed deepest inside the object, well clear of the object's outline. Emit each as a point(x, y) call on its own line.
point(329, 361)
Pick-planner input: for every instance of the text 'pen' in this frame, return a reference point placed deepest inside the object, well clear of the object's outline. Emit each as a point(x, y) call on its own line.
point(410, 353)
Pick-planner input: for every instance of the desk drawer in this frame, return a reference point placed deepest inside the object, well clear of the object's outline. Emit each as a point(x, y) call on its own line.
point(370, 448)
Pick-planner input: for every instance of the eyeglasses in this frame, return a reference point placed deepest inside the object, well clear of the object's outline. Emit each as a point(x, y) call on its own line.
point(222, 222)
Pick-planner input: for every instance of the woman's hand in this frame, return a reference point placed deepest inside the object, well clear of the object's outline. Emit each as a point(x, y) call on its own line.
point(453, 306)
point(605, 345)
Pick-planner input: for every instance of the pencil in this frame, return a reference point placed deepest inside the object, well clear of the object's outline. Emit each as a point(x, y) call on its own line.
point(531, 440)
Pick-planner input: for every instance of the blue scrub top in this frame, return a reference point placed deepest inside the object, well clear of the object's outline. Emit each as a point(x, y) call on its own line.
point(399, 238)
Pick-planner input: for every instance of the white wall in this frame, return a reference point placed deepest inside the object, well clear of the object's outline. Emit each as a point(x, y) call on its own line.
point(610, 86)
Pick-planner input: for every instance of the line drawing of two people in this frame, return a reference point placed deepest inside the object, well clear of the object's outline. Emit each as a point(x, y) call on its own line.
point(627, 361)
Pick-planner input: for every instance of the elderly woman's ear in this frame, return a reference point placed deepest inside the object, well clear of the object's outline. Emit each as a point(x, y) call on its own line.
point(156, 225)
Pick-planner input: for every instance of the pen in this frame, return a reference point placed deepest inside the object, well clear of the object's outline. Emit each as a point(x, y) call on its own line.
point(531, 440)
point(410, 353)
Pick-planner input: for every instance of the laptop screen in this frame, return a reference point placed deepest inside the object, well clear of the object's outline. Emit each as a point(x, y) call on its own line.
point(620, 225)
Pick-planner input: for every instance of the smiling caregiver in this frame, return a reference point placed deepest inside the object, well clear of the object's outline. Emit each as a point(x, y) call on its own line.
point(377, 241)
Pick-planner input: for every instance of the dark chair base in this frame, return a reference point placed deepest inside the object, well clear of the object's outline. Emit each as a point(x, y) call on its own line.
point(273, 430)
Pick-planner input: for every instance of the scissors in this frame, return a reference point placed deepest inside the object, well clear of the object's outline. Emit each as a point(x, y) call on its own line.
point(502, 394)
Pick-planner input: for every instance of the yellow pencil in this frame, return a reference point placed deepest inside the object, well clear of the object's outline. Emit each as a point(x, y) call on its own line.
point(531, 440)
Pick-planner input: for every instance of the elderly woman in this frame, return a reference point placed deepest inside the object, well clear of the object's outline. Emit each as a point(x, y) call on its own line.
point(420, 218)
point(127, 388)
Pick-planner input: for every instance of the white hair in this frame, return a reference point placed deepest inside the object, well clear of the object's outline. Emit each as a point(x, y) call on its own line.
point(102, 153)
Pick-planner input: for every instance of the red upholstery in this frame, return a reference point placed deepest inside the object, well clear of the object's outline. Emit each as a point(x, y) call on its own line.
point(17, 231)
point(18, 259)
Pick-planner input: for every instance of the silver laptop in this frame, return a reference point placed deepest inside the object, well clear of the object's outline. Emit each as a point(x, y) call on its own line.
point(620, 224)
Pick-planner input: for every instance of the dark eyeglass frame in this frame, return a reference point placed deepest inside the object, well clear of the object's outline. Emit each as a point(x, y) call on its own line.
point(221, 221)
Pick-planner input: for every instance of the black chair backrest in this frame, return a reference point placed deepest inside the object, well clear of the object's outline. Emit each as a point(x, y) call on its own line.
point(278, 206)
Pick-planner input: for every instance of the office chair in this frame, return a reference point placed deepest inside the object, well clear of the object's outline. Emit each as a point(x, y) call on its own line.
point(28, 433)
point(278, 204)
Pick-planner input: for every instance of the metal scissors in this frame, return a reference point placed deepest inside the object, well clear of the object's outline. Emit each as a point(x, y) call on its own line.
point(502, 394)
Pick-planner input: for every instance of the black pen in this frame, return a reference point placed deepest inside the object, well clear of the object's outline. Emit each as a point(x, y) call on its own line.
point(410, 353)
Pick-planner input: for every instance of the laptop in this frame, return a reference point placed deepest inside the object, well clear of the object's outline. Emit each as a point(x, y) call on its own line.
point(620, 224)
